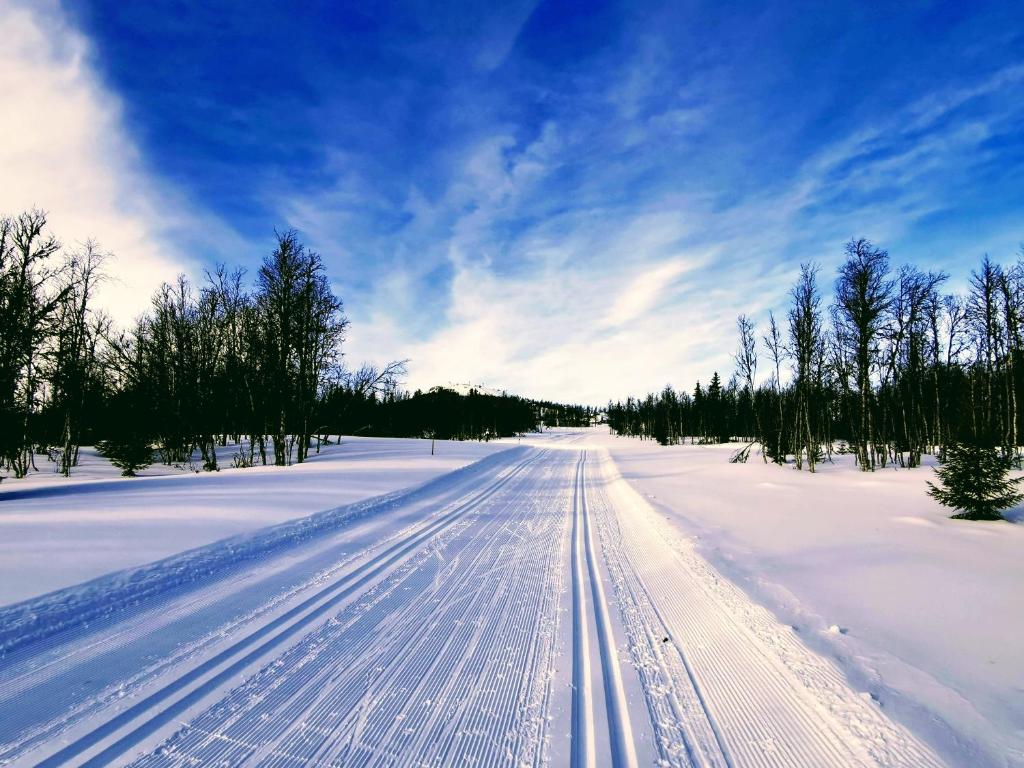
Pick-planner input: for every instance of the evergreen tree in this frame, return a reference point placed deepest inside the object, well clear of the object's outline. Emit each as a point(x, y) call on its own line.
point(974, 480)
point(129, 453)
point(716, 431)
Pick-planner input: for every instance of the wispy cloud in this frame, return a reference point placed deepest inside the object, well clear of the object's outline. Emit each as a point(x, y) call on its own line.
point(63, 148)
point(551, 202)
point(607, 307)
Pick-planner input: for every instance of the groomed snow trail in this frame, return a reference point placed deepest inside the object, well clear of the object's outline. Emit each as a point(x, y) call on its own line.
point(528, 610)
point(723, 682)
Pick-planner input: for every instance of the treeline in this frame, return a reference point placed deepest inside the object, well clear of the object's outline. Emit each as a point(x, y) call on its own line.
point(890, 367)
point(208, 365)
point(710, 414)
point(442, 413)
point(561, 415)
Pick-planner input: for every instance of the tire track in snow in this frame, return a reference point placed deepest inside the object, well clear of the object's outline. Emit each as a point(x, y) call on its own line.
point(214, 672)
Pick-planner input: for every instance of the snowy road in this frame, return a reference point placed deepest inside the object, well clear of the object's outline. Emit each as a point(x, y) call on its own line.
point(529, 609)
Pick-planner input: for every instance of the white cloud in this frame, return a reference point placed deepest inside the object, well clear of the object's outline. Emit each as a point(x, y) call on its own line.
point(644, 290)
point(570, 290)
point(540, 332)
point(614, 305)
point(503, 23)
point(625, 279)
point(63, 148)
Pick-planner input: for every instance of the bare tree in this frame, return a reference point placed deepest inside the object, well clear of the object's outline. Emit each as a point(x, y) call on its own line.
point(74, 371)
point(746, 355)
point(984, 321)
point(806, 349)
point(863, 296)
point(27, 307)
point(305, 329)
point(746, 366)
point(776, 349)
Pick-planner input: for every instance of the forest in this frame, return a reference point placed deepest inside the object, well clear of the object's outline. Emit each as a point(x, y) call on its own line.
point(887, 367)
point(258, 367)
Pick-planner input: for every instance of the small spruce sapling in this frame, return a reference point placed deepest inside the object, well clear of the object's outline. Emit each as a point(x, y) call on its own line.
point(129, 454)
point(975, 480)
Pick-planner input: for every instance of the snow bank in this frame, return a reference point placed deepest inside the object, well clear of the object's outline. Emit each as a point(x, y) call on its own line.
point(41, 617)
point(56, 531)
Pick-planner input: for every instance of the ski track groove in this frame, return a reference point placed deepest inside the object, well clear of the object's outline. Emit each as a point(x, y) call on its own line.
point(326, 598)
point(583, 749)
point(620, 729)
point(396, 728)
point(442, 643)
point(773, 704)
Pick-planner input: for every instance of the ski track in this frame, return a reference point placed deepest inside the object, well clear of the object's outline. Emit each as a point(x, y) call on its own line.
point(724, 682)
point(529, 610)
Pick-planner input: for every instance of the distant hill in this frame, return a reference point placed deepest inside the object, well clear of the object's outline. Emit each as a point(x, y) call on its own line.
point(463, 389)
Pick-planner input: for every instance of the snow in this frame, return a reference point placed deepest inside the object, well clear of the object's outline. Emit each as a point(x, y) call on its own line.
point(56, 531)
point(923, 612)
point(530, 608)
point(570, 597)
point(480, 389)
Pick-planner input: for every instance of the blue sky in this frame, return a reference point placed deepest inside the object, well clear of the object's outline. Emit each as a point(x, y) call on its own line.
point(569, 200)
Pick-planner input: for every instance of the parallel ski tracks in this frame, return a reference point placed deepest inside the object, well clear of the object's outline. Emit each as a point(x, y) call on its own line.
point(421, 670)
point(725, 685)
point(451, 641)
point(184, 692)
point(620, 731)
point(583, 746)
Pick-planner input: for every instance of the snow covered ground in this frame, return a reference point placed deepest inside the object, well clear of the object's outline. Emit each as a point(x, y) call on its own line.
point(570, 598)
point(923, 612)
point(56, 531)
point(531, 608)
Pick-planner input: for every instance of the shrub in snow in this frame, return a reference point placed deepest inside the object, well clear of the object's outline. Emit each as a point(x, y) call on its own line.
point(974, 479)
point(129, 454)
point(741, 456)
point(242, 459)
